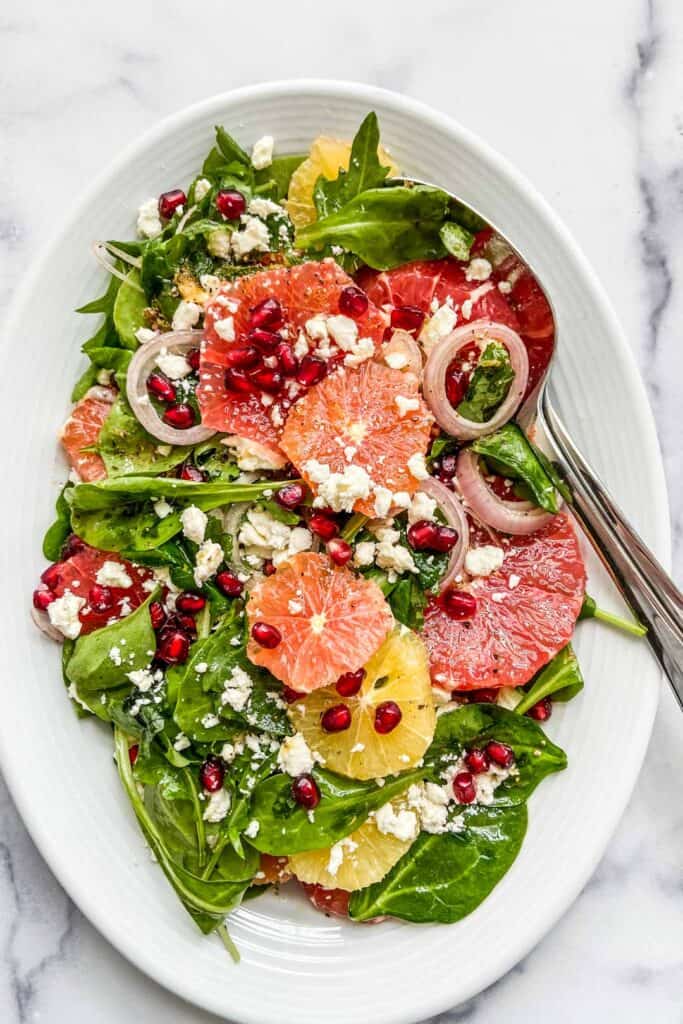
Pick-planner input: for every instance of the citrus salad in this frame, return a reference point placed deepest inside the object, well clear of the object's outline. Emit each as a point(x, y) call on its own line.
point(307, 566)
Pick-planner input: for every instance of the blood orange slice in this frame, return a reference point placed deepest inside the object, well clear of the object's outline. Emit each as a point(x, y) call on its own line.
point(358, 416)
point(526, 612)
point(302, 291)
point(78, 574)
point(82, 430)
point(330, 621)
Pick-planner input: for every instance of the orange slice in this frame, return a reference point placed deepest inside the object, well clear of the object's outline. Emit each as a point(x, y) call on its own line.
point(82, 430)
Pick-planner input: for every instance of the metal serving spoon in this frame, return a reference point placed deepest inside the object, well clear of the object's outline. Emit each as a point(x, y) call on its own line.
point(649, 591)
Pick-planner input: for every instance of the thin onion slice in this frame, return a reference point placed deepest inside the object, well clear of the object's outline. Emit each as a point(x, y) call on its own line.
point(516, 518)
point(442, 355)
point(42, 621)
point(141, 365)
point(403, 344)
point(103, 253)
point(454, 514)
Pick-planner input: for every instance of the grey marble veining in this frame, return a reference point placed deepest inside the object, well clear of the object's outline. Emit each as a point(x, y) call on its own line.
point(587, 99)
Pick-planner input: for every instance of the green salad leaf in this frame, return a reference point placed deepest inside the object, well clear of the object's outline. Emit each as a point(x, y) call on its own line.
point(489, 384)
point(127, 448)
point(129, 307)
point(57, 533)
point(102, 660)
point(561, 678)
point(590, 610)
point(509, 453)
point(457, 240)
point(273, 182)
point(365, 171)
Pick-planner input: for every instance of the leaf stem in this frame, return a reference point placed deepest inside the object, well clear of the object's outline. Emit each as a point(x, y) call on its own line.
point(354, 526)
point(228, 943)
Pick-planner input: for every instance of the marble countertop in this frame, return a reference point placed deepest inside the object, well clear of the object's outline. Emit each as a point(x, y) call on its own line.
point(586, 98)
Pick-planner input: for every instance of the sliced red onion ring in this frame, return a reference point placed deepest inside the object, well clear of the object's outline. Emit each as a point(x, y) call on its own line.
point(514, 517)
point(442, 355)
point(141, 365)
point(42, 621)
point(454, 515)
point(403, 344)
point(106, 254)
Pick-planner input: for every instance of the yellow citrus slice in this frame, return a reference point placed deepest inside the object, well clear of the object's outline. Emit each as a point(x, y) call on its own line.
point(361, 859)
point(398, 674)
point(327, 157)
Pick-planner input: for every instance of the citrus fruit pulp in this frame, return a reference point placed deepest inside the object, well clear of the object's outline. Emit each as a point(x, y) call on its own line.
point(303, 291)
point(79, 574)
point(333, 902)
point(326, 158)
point(82, 430)
point(398, 672)
point(330, 621)
point(357, 410)
point(526, 612)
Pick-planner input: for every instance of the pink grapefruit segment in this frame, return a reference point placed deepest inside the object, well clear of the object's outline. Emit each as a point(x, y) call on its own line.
point(79, 575)
point(82, 430)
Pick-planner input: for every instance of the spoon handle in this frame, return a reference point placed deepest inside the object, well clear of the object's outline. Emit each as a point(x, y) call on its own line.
point(648, 589)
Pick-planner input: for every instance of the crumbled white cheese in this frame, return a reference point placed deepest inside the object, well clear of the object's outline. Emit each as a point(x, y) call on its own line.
point(142, 678)
point(201, 188)
point(162, 508)
point(466, 309)
point(113, 574)
point(406, 405)
point(210, 283)
point(504, 287)
point(508, 697)
point(260, 207)
point(149, 222)
point(252, 829)
point(225, 328)
point(219, 243)
point(338, 491)
point(261, 534)
point(252, 456)
point(396, 360)
point(402, 824)
point(217, 807)
point(262, 153)
point(143, 334)
point(363, 350)
point(294, 756)
point(209, 557)
point(437, 327)
point(484, 560)
point(364, 553)
point(478, 270)
point(344, 331)
point(237, 689)
point(401, 499)
point(395, 558)
point(383, 501)
point(431, 804)
point(194, 523)
point(316, 328)
point(514, 580)
point(337, 854)
point(186, 315)
point(253, 237)
point(181, 742)
point(174, 366)
point(210, 721)
point(63, 614)
point(422, 507)
point(417, 466)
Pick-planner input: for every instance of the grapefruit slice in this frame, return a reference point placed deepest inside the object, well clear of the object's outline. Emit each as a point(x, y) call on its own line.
point(302, 291)
point(333, 902)
point(398, 672)
point(357, 412)
point(327, 158)
point(82, 430)
point(79, 575)
point(330, 621)
point(526, 612)
point(366, 857)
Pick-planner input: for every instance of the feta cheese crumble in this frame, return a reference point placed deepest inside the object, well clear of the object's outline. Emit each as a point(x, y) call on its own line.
point(262, 153)
point(113, 574)
point(194, 523)
point(225, 328)
point(478, 270)
point(484, 560)
point(295, 756)
point(406, 405)
point(209, 558)
point(201, 188)
point(217, 807)
point(417, 466)
point(253, 237)
point(174, 366)
point(237, 689)
point(149, 222)
point(186, 315)
point(402, 824)
point(437, 327)
point(63, 614)
point(162, 508)
point(252, 456)
point(339, 491)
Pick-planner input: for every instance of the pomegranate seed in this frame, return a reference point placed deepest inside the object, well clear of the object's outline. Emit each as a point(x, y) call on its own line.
point(72, 546)
point(387, 716)
point(336, 719)
point(290, 695)
point(477, 761)
point(290, 496)
point(269, 568)
point(230, 203)
point(229, 584)
point(170, 201)
point(174, 647)
point(339, 551)
point(212, 773)
point(157, 615)
point(448, 464)
point(288, 361)
point(193, 358)
point(265, 340)
point(267, 379)
point(352, 301)
point(42, 598)
point(188, 472)
point(267, 314)
point(350, 683)
point(133, 753)
point(184, 622)
point(180, 416)
point(266, 635)
point(422, 535)
point(161, 387)
point(51, 576)
point(190, 603)
point(542, 711)
point(305, 791)
point(457, 383)
point(237, 381)
point(500, 753)
point(323, 526)
point(446, 539)
point(487, 695)
point(242, 357)
point(407, 318)
point(311, 371)
point(458, 604)
point(464, 788)
point(100, 598)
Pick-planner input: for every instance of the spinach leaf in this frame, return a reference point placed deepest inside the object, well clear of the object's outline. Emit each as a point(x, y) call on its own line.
point(109, 358)
point(560, 678)
point(215, 460)
point(442, 445)
point(129, 307)
point(285, 827)
point(105, 337)
point(509, 453)
point(127, 448)
point(383, 226)
point(474, 725)
point(273, 182)
point(590, 610)
point(227, 158)
point(407, 601)
point(489, 384)
point(365, 171)
point(86, 380)
point(103, 659)
point(56, 535)
point(442, 878)
point(457, 240)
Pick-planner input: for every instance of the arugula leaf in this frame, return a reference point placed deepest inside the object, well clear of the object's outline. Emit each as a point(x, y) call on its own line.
point(285, 827)
point(273, 182)
point(509, 453)
point(102, 659)
point(365, 171)
point(442, 878)
point(383, 226)
point(86, 380)
point(127, 448)
point(489, 384)
point(129, 306)
point(590, 610)
point(561, 677)
point(457, 240)
point(227, 158)
point(105, 337)
point(56, 534)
